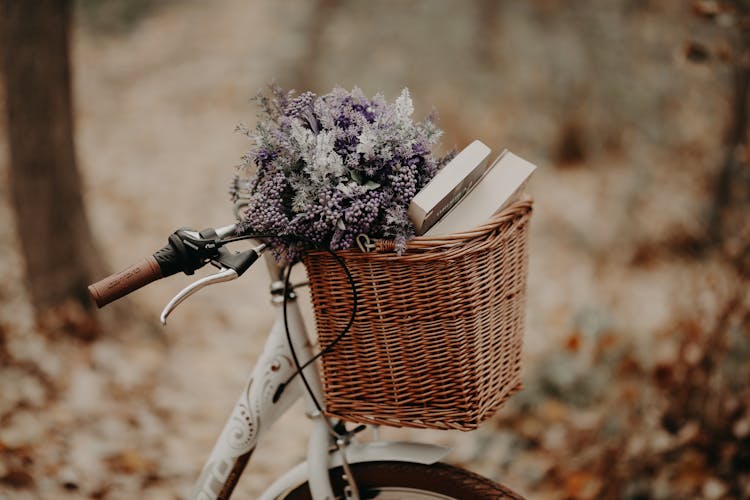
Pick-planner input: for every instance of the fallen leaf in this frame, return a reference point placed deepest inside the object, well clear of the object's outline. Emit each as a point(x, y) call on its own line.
point(127, 462)
point(17, 478)
point(582, 485)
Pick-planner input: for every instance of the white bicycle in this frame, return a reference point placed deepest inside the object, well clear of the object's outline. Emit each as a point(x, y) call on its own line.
point(338, 466)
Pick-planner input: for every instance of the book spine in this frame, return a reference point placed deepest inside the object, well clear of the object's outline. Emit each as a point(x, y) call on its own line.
point(450, 200)
point(417, 216)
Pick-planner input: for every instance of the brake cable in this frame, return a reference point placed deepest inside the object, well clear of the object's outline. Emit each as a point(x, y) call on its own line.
point(286, 274)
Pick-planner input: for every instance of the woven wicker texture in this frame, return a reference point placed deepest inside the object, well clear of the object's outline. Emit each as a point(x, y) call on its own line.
point(437, 339)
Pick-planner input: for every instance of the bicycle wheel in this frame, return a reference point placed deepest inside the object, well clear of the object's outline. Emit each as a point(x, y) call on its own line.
point(406, 480)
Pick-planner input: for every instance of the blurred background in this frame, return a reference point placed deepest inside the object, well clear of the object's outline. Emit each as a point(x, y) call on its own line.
point(637, 353)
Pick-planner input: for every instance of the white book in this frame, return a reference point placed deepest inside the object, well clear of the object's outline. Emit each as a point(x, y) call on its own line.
point(503, 183)
point(448, 186)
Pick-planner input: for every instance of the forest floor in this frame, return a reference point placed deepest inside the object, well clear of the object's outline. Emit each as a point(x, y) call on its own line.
point(620, 311)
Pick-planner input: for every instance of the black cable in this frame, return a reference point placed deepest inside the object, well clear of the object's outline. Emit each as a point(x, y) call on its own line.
point(329, 347)
point(287, 289)
point(348, 326)
point(297, 364)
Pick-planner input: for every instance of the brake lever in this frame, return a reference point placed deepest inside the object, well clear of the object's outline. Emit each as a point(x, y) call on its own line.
point(226, 274)
point(231, 266)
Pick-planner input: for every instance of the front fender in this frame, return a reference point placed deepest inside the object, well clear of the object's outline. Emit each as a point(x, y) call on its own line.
point(396, 451)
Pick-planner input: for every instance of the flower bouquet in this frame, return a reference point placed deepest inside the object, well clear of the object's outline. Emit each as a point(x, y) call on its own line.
point(324, 169)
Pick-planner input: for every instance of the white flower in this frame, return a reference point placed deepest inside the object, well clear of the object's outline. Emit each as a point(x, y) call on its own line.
point(321, 160)
point(404, 107)
point(368, 141)
point(350, 189)
point(304, 140)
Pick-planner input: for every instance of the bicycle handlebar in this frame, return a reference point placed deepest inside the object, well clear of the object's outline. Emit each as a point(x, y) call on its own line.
point(187, 250)
point(164, 262)
point(119, 284)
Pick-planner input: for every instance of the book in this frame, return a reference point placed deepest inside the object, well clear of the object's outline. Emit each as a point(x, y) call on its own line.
point(502, 184)
point(448, 186)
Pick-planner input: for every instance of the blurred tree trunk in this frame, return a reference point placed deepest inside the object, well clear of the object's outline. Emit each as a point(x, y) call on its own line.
point(45, 183)
point(486, 33)
point(728, 223)
point(322, 13)
point(737, 138)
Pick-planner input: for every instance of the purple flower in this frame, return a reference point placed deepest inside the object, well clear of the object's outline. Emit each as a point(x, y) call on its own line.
point(330, 167)
point(263, 156)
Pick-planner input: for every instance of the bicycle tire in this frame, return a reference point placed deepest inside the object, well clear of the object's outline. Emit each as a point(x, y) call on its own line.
point(407, 480)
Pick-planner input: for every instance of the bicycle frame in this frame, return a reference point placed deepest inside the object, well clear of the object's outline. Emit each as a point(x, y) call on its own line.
point(255, 412)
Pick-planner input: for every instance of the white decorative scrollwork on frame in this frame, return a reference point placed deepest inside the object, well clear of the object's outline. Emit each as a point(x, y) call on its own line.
point(243, 427)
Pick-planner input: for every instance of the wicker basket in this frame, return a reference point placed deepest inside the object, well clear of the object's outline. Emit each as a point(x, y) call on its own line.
point(436, 342)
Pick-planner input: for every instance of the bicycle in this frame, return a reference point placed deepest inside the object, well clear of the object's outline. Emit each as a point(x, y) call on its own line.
point(338, 464)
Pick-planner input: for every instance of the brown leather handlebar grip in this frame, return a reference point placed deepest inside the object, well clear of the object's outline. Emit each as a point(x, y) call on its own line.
point(120, 284)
